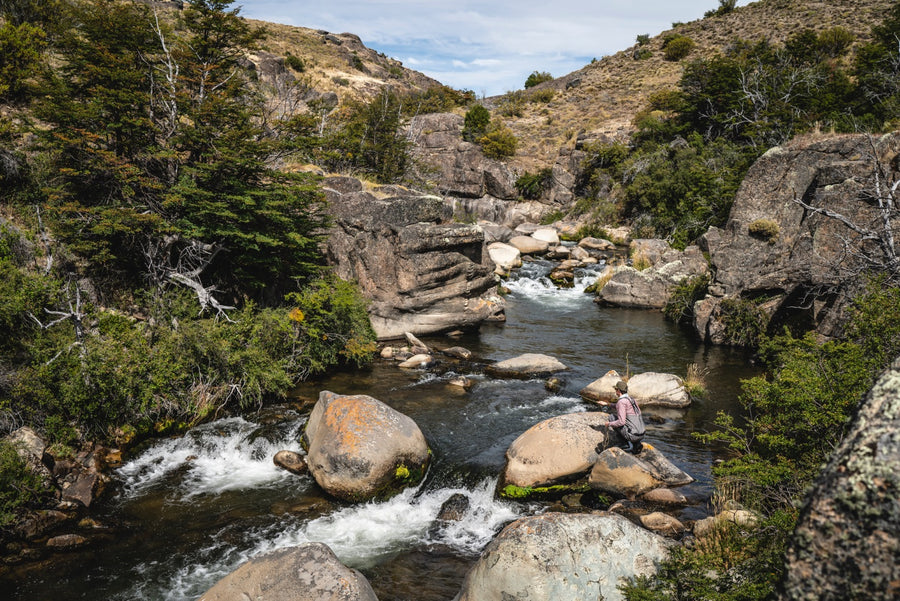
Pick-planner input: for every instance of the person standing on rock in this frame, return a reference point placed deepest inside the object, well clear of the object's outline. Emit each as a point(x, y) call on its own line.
point(627, 430)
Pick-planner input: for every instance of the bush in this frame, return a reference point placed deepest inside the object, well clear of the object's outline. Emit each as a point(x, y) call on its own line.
point(537, 78)
point(764, 229)
point(680, 307)
point(677, 47)
point(19, 486)
point(544, 95)
point(512, 104)
point(643, 39)
point(499, 142)
point(532, 185)
point(476, 123)
point(295, 63)
point(744, 322)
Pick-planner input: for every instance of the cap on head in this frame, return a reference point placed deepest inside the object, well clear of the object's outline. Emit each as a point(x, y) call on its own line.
point(621, 386)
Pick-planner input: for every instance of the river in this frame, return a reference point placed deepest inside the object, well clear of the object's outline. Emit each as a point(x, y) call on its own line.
point(186, 511)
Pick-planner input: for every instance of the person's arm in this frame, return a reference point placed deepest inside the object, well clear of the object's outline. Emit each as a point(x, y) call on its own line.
point(621, 412)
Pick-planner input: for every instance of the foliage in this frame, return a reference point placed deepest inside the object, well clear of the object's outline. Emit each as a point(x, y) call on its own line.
point(793, 419)
point(680, 306)
point(532, 185)
point(437, 99)
point(764, 229)
point(512, 104)
point(21, 48)
point(295, 62)
point(537, 78)
point(499, 142)
point(476, 123)
point(725, 7)
point(19, 485)
point(744, 322)
point(677, 47)
point(643, 39)
point(544, 95)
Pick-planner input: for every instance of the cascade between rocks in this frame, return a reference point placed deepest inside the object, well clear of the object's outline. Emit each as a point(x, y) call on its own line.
point(187, 511)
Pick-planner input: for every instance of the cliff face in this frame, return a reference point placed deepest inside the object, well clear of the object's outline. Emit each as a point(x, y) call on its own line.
point(422, 275)
point(780, 253)
point(847, 541)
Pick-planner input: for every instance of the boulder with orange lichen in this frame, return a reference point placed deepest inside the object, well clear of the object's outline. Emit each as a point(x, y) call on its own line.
point(360, 449)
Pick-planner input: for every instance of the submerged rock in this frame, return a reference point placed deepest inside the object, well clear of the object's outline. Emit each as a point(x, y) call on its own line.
point(310, 572)
point(563, 557)
point(360, 449)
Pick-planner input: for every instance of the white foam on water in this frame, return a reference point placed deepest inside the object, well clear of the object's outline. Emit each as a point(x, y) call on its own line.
point(216, 457)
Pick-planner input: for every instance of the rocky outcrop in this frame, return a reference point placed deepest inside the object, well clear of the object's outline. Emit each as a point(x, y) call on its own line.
point(359, 449)
point(555, 450)
point(651, 288)
point(310, 572)
point(774, 248)
point(847, 541)
point(421, 275)
point(564, 557)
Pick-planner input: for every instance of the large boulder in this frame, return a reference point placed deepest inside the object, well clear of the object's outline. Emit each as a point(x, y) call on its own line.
point(359, 449)
point(504, 256)
point(528, 365)
point(310, 572)
point(622, 474)
point(603, 389)
point(555, 450)
point(847, 540)
point(772, 247)
point(421, 275)
point(662, 390)
point(563, 557)
point(651, 288)
point(529, 245)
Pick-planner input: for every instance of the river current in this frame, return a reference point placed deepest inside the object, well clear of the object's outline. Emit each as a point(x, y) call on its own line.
point(188, 510)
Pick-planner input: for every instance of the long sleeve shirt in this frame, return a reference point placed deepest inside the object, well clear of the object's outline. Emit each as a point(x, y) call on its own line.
point(623, 410)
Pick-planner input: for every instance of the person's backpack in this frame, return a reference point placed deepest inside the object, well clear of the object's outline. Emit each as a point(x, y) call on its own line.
point(634, 424)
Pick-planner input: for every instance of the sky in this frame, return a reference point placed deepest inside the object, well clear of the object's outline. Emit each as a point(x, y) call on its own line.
point(487, 47)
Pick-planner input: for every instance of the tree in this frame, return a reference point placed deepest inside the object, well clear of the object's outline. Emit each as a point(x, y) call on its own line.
point(476, 122)
point(537, 78)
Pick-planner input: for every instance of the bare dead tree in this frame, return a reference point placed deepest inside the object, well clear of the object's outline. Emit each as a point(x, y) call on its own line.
point(172, 259)
point(74, 313)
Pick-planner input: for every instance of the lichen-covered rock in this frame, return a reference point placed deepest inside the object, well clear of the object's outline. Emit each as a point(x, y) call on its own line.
point(651, 288)
point(310, 572)
point(563, 557)
point(290, 461)
point(554, 450)
point(847, 541)
point(360, 449)
point(804, 251)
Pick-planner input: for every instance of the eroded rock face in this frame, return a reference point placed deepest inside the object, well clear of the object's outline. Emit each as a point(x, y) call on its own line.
point(421, 275)
point(310, 572)
point(798, 251)
point(564, 557)
point(847, 541)
point(360, 449)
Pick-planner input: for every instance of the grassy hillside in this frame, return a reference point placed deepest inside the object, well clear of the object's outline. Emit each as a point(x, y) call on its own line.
point(602, 98)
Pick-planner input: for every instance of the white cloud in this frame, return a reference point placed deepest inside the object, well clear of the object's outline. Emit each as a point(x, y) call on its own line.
point(488, 47)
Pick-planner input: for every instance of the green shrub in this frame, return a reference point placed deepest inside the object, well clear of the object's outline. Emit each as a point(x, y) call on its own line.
point(19, 485)
point(295, 63)
point(680, 306)
point(744, 322)
point(537, 78)
point(532, 185)
point(677, 47)
point(499, 142)
point(476, 123)
point(512, 104)
point(642, 54)
point(544, 95)
point(764, 229)
point(643, 39)
point(725, 7)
